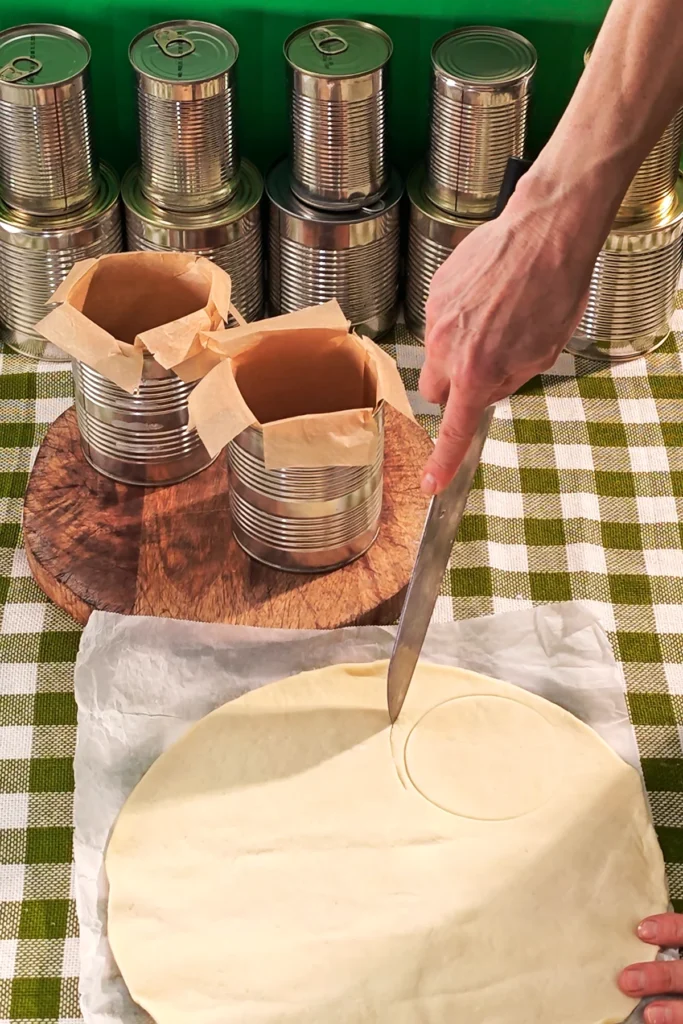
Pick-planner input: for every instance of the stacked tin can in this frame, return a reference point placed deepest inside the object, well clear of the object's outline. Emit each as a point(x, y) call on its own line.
point(334, 212)
point(481, 87)
point(57, 205)
point(632, 293)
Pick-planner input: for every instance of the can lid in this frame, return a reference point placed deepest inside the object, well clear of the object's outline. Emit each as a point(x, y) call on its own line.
point(420, 201)
point(19, 223)
point(35, 55)
point(587, 55)
point(338, 49)
point(183, 51)
point(247, 195)
point(653, 233)
point(484, 55)
point(280, 194)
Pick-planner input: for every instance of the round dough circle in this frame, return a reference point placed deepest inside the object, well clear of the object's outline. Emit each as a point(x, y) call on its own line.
point(486, 757)
point(277, 865)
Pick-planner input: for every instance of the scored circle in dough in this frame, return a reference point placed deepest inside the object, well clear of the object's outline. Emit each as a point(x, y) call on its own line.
point(293, 859)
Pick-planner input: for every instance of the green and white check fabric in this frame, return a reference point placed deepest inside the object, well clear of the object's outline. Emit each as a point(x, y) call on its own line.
point(579, 497)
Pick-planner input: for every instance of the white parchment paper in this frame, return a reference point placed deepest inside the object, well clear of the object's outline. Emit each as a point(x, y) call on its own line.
point(141, 682)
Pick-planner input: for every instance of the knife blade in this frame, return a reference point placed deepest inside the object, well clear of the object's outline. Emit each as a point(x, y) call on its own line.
point(440, 530)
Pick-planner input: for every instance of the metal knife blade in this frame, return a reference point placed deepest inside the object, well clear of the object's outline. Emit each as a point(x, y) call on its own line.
point(441, 528)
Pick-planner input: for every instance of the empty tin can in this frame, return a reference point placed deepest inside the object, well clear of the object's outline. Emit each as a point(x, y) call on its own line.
point(36, 254)
point(432, 237)
point(186, 112)
point(652, 192)
point(47, 163)
point(142, 438)
point(633, 289)
point(303, 520)
point(316, 255)
point(229, 235)
point(338, 72)
point(481, 88)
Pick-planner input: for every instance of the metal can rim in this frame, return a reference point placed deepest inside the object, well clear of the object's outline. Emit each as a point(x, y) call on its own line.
point(63, 30)
point(484, 86)
point(420, 201)
point(189, 220)
point(13, 222)
point(285, 200)
point(184, 22)
point(338, 21)
point(671, 223)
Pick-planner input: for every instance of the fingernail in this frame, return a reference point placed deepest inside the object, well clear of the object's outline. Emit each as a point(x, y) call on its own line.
point(428, 485)
point(647, 930)
point(659, 1013)
point(633, 980)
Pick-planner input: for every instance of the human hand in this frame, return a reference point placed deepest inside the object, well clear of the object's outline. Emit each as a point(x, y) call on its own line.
point(659, 977)
point(500, 310)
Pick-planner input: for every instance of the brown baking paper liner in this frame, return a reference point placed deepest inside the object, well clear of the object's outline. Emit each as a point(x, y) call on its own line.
point(110, 310)
point(311, 386)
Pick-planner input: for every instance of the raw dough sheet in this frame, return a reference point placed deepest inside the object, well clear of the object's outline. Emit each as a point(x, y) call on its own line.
point(141, 682)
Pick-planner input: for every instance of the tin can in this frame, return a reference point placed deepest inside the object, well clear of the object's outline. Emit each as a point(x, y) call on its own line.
point(303, 520)
point(432, 237)
point(47, 162)
point(338, 74)
point(316, 255)
point(633, 289)
point(36, 254)
point(185, 74)
point(230, 235)
point(142, 438)
point(482, 79)
point(652, 193)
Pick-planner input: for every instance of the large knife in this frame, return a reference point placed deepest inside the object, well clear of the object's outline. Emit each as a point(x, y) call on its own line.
point(438, 537)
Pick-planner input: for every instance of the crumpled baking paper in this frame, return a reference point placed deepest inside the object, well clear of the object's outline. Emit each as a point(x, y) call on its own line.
point(142, 682)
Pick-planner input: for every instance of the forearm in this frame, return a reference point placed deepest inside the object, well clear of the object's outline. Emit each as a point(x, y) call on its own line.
point(629, 92)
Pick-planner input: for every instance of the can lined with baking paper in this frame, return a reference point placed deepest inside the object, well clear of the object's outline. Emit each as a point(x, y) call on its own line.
point(432, 237)
point(303, 520)
point(316, 255)
point(338, 76)
point(482, 80)
point(37, 253)
point(230, 235)
point(142, 438)
point(47, 161)
point(652, 192)
point(185, 74)
point(633, 289)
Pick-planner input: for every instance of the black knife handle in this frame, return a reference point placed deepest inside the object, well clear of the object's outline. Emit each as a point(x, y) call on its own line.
point(516, 168)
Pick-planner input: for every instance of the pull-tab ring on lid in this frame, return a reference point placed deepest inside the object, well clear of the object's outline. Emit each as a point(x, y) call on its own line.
point(327, 43)
point(12, 73)
point(172, 43)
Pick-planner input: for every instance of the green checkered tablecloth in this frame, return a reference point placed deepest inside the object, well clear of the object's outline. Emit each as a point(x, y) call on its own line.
point(579, 497)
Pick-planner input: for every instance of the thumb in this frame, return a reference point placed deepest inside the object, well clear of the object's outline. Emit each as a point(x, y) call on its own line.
point(459, 424)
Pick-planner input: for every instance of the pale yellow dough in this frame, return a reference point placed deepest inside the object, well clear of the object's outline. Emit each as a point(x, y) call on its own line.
point(292, 859)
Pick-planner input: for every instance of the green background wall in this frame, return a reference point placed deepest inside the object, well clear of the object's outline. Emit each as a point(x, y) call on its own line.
point(560, 30)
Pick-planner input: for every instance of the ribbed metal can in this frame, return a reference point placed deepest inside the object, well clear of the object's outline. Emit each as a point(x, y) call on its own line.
point(47, 161)
point(482, 80)
point(652, 192)
point(37, 253)
point(633, 289)
point(316, 255)
point(432, 237)
point(142, 438)
point(303, 520)
point(338, 77)
point(185, 74)
point(231, 235)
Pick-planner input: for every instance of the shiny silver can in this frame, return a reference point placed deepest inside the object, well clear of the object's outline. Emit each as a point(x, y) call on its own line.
point(316, 255)
point(432, 237)
point(482, 80)
point(633, 289)
point(37, 253)
point(652, 193)
point(303, 520)
point(338, 77)
point(230, 235)
point(185, 74)
point(142, 438)
point(47, 161)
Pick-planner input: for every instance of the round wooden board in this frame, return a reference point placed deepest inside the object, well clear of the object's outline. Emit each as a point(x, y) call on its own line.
point(96, 544)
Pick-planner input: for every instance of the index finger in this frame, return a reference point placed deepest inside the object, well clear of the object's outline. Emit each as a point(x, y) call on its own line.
point(460, 420)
